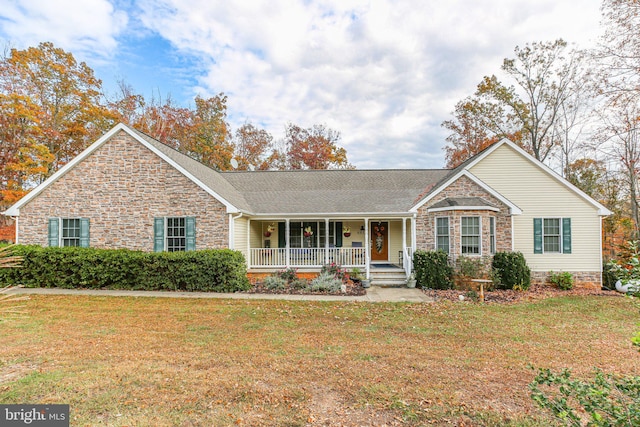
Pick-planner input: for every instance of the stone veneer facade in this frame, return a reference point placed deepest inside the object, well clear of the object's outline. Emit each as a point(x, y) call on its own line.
point(581, 279)
point(464, 187)
point(121, 187)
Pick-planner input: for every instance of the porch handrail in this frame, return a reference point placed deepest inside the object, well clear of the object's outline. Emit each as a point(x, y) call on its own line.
point(306, 257)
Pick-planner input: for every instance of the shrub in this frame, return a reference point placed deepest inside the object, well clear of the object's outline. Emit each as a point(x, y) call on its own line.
point(289, 275)
point(609, 275)
point(474, 267)
point(432, 269)
point(335, 270)
point(274, 282)
point(512, 270)
point(218, 270)
point(608, 400)
point(562, 280)
point(326, 282)
point(299, 284)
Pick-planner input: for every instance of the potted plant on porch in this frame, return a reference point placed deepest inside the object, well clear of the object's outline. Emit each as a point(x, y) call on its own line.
point(411, 281)
point(346, 231)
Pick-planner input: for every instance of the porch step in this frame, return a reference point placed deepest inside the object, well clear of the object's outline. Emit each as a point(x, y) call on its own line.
point(388, 277)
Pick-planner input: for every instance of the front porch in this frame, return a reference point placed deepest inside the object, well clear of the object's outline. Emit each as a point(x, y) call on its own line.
point(311, 243)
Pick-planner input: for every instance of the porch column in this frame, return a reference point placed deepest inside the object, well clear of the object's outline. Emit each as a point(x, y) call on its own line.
point(404, 242)
point(326, 241)
point(249, 251)
point(286, 240)
point(366, 247)
point(413, 233)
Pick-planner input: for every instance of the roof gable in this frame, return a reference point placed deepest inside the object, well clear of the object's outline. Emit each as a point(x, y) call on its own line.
point(465, 167)
point(148, 142)
point(515, 210)
point(602, 210)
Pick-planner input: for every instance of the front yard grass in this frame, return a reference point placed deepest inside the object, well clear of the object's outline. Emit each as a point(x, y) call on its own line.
point(123, 361)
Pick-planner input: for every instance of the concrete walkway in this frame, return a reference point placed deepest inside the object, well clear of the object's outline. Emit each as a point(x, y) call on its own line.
point(374, 294)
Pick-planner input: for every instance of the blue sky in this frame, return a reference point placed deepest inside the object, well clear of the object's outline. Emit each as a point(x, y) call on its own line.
point(384, 73)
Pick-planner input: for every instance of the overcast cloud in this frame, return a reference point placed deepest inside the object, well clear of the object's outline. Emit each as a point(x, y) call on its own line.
point(383, 73)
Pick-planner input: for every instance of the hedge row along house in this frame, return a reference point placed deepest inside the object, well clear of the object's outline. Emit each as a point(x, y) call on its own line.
point(128, 190)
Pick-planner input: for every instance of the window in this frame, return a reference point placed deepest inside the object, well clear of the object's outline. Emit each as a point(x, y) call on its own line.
point(174, 234)
point(68, 232)
point(470, 235)
point(552, 235)
point(297, 238)
point(492, 235)
point(442, 234)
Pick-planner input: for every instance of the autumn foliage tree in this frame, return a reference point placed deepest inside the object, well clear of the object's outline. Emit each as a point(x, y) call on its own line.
point(526, 109)
point(252, 146)
point(50, 110)
point(314, 148)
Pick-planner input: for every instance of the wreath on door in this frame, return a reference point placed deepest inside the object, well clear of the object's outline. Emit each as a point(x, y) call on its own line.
point(378, 231)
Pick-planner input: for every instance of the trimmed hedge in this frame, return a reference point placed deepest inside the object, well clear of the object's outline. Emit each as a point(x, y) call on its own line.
point(432, 269)
point(215, 270)
point(512, 271)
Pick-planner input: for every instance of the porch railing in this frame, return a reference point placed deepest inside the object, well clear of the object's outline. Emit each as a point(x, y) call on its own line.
point(306, 257)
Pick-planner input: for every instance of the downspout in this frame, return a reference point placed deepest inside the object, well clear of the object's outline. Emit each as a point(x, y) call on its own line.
point(232, 234)
point(17, 228)
point(232, 229)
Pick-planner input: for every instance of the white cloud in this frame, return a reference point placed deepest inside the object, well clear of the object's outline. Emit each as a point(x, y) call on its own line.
point(384, 73)
point(87, 27)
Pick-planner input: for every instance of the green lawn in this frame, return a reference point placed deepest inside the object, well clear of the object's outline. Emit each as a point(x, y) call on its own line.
point(168, 362)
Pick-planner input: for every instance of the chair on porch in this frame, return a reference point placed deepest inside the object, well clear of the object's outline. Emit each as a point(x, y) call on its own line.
point(358, 258)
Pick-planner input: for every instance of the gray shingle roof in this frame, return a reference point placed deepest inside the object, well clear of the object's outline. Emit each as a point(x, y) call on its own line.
point(332, 191)
point(312, 191)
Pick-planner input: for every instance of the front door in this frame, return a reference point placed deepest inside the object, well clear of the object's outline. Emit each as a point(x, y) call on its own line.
point(379, 241)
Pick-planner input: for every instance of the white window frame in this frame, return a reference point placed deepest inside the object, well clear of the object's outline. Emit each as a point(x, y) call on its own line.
point(448, 236)
point(180, 248)
point(479, 235)
point(560, 235)
point(62, 239)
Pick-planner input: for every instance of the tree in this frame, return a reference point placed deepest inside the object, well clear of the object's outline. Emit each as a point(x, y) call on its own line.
point(620, 140)
point(620, 51)
point(314, 148)
point(66, 97)
point(50, 110)
point(201, 133)
point(251, 147)
point(476, 125)
point(210, 142)
point(589, 175)
point(541, 78)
